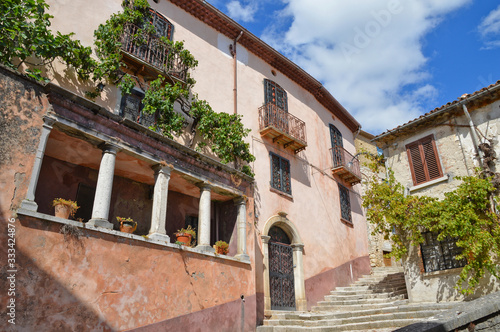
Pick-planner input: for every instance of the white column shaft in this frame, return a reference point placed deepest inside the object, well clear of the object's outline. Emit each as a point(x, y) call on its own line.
point(242, 229)
point(160, 196)
point(203, 232)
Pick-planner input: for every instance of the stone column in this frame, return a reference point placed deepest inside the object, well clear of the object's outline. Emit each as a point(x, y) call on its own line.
point(241, 222)
point(267, 287)
point(160, 195)
point(298, 274)
point(29, 202)
point(203, 232)
point(102, 200)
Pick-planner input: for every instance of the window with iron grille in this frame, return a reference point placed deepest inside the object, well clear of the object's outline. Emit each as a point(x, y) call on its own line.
point(163, 27)
point(280, 174)
point(440, 255)
point(424, 160)
point(345, 203)
point(275, 95)
point(131, 108)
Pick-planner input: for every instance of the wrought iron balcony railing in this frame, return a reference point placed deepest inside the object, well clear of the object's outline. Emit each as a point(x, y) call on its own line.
point(282, 127)
point(345, 165)
point(153, 51)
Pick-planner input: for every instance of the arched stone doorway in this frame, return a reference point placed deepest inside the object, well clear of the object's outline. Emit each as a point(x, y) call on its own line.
point(284, 287)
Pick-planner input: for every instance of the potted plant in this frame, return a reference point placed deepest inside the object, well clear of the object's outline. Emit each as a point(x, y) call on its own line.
point(185, 235)
point(221, 247)
point(127, 225)
point(64, 208)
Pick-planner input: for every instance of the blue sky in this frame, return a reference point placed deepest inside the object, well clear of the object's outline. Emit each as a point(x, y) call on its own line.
point(386, 61)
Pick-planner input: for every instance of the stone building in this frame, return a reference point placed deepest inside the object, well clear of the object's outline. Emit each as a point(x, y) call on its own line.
point(379, 247)
point(426, 155)
point(295, 230)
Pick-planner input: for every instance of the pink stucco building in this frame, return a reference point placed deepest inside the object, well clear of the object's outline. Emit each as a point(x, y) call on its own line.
point(295, 231)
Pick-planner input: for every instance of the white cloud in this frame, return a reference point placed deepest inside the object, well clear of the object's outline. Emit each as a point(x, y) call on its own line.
point(241, 12)
point(490, 29)
point(365, 53)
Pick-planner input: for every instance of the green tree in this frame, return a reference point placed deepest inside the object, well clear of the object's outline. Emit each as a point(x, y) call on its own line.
point(464, 214)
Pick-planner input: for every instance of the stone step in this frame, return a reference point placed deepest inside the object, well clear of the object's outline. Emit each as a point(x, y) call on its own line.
point(391, 324)
point(353, 320)
point(385, 295)
point(362, 300)
point(355, 307)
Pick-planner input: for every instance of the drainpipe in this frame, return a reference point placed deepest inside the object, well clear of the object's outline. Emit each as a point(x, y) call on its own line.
point(235, 88)
point(475, 138)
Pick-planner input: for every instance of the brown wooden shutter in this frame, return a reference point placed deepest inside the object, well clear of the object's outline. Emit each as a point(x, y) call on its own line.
point(431, 159)
point(416, 163)
point(424, 161)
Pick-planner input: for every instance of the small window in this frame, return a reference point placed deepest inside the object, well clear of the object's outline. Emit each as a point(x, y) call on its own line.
point(424, 160)
point(440, 255)
point(345, 203)
point(275, 94)
point(280, 174)
point(131, 108)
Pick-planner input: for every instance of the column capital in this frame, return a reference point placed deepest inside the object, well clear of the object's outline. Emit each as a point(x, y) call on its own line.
point(162, 168)
point(48, 121)
point(204, 186)
point(109, 147)
point(297, 246)
point(265, 238)
point(242, 200)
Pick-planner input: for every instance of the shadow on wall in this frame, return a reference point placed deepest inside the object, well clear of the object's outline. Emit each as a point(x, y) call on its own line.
point(40, 300)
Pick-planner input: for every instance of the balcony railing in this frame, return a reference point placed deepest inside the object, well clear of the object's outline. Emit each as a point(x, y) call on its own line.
point(282, 127)
point(153, 51)
point(345, 165)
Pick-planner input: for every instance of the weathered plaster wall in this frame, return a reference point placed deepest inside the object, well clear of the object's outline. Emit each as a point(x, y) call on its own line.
point(90, 280)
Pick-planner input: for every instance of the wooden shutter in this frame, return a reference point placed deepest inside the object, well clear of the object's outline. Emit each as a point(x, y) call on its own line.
point(424, 161)
point(275, 94)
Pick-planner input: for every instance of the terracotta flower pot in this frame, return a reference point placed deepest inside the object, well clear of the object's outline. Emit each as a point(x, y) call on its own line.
point(128, 226)
point(184, 238)
point(62, 211)
point(221, 251)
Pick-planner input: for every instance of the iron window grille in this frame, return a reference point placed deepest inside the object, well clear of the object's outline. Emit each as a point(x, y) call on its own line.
point(131, 108)
point(275, 94)
point(424, 160)
point(440, 255)
point(280, 174)
point(345, 203)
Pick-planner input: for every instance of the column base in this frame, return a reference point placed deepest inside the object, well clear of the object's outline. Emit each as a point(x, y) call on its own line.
point(242, 257)
point(29, 205)
point(159, 237)
point(205, 248)
point(100, 223)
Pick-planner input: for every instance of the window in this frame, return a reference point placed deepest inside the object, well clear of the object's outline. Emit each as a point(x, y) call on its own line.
point(275, 95)
point(280, 174)
point(345, 203)
point(337, 146)
point(131, 108)
point(163, 27)
point(440, 255)
point(424, 160)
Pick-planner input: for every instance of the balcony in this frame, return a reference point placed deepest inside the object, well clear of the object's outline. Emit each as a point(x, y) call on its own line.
point(282, 127)
point(345, 166)
point(147, 53)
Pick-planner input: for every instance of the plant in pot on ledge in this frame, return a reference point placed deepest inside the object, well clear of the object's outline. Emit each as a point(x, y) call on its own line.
point(64, 208)
point(127, 225)
point(221, 247)
point(184, 236)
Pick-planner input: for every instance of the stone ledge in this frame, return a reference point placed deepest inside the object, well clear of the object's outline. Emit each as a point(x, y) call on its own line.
point(78, 224)
point(461, 315)
point(439, 273)
point(429, 183)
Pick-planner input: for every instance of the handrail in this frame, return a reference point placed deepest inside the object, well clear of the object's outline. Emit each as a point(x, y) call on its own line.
point(272, 116)
point(342, 158)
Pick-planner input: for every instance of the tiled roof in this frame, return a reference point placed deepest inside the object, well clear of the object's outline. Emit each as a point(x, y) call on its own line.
point(439, 110)
point(214, 18)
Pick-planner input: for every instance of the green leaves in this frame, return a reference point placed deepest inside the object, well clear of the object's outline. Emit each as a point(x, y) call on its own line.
point(25, 34)
point(464, 214)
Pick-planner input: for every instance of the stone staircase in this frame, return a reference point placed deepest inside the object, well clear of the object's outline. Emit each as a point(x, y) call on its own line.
point(375, 303)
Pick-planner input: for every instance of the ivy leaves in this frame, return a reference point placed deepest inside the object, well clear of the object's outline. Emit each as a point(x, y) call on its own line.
point(464, 214)
point(25, 34)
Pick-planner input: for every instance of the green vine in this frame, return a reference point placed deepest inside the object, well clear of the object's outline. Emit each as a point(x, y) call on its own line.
point(25, 34)
point(464, 214)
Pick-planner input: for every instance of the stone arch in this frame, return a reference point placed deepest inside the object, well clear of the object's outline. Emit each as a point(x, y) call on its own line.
point(280, 220)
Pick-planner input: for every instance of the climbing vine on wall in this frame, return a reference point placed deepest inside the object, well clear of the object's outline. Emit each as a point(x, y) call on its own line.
point(466, 214)
point(25, 35)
